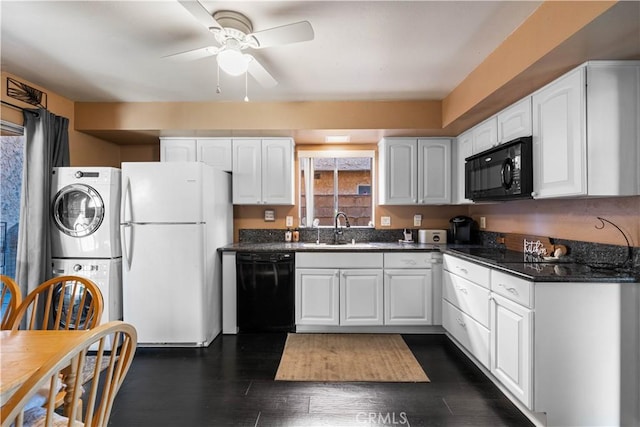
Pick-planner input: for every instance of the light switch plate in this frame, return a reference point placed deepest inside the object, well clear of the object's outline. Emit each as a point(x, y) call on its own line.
point(417, 220)
point(289, 221)
point(269, 215)
point(483, 222)
point(385, 221)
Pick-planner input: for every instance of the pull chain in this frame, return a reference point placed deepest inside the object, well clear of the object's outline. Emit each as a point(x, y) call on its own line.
point(218, 90)
point(246, 87)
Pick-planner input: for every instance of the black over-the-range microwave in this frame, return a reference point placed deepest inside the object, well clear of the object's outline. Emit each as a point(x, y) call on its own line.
point(501, 173)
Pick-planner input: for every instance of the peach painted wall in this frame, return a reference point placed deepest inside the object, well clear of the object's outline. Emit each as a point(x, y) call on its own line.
point(85, 150)
point(573, 219)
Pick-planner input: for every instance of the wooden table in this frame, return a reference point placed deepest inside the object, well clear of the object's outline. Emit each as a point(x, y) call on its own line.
point(23, 352)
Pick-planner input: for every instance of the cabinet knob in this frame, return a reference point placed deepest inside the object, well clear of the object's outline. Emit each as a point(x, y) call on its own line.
point(461, 322)
point(421, 200)
point(534, 194)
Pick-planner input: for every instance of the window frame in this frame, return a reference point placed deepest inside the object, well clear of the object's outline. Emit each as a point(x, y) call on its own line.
point(331, 154)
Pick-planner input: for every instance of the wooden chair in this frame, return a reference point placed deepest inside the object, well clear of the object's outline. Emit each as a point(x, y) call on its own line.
point(95, 408)
point(65, 302)
point(11, 292)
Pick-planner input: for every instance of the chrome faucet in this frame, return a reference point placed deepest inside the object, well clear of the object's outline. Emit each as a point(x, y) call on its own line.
point(337, 232)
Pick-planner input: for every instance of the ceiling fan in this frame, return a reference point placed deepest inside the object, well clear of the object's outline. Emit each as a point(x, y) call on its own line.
point(234, 33)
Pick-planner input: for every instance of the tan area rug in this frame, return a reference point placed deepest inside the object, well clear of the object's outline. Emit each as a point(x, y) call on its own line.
point(348, 357)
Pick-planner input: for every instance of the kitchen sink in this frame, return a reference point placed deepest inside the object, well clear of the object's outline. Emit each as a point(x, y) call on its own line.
point(361, 245)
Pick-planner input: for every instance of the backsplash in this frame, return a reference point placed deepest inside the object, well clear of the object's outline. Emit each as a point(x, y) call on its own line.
point(596, 254)
point(326, 235)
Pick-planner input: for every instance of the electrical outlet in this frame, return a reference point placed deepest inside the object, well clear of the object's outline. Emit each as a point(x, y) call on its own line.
point(483, 222)
point(289, 221)
point(417, 220)
point(385, 221)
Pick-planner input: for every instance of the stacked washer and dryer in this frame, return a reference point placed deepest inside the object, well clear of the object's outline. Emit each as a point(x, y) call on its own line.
point(85, 239)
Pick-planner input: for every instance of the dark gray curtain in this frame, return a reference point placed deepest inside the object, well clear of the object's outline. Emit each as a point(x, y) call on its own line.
point(46, 146)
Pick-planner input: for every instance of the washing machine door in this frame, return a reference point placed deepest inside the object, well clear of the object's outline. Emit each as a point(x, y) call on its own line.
point(72, 307)
point(78, 210)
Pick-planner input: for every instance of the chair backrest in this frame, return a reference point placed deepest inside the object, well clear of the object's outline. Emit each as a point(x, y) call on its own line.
point(10, 298)
point(95, 408)
point(64, 302)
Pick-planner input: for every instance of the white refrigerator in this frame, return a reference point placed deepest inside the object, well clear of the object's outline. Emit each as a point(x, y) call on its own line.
point(174, 216)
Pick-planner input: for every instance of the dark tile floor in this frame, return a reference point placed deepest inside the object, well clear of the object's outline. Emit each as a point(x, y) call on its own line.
point(230, 383)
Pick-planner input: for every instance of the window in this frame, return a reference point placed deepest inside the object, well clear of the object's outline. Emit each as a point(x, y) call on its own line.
point(11, 157)
point(336, 181)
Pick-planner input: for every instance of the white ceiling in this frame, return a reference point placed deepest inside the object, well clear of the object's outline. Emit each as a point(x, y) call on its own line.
point(363, 50)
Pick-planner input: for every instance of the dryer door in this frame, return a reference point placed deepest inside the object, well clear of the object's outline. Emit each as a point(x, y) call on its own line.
point(78, 210)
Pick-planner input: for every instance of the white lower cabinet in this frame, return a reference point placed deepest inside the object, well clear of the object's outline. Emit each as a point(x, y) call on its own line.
point(465, 306)
point(468, 332)
point(366, 289)
point(317, 296)
point(511, 347)
point(408, 295)
point(361, 297)
point(565, 352)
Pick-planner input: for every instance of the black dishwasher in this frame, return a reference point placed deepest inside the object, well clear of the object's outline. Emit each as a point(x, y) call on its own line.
point(265, 285)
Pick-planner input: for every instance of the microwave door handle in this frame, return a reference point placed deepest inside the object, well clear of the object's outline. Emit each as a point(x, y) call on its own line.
point(506, 173)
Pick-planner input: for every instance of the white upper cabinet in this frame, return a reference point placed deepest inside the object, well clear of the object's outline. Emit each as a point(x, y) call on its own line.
point(463, 148)
point(177, 150)
point(398, 172)
point(485, 135)
point(215, 152)
point(586, 138)
point(559, 150)
point(515, 121)
point(415, 171)
point(434, 171)
point(263, 171)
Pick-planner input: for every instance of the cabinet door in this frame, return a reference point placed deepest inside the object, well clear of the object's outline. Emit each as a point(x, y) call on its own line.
point(317, 296)
point(177, 150)
point(361, 298)
point(485, 135)
point(434, 171)
point(398, 173)
point(247, 172)
point(408, 297)
point(215, 152)
point(511, 347)
point(277, 172)
point(463, 149)
point(559, 137)
point(515, 121)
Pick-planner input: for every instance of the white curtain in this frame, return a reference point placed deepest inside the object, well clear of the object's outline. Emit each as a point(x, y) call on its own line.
point(46, 146)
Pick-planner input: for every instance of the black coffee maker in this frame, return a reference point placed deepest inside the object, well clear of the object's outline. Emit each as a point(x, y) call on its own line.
point(461, 229)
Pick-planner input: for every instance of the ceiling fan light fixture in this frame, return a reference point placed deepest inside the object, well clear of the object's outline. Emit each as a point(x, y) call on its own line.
point(233, 62)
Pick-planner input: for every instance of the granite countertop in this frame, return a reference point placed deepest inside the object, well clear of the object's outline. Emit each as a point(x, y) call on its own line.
point(313, 247)
point(531, 268)
point(516, 263)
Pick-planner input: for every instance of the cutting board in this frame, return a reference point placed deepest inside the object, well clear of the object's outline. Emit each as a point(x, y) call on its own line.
point(515, 242)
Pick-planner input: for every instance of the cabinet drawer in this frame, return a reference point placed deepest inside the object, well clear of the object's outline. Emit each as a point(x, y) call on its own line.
point(407, 260)
point(338, 260)
point(468, 270)
point(471, 334)
point(511, 287)
point(467, 296)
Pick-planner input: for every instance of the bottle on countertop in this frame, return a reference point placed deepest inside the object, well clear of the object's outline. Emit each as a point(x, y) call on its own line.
point(287, 235)
point(296, 235)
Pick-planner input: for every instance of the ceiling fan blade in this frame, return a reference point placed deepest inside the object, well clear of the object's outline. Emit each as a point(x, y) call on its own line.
point(199, 12)
point(192, 55)
point(290, 33)
point(260, 74)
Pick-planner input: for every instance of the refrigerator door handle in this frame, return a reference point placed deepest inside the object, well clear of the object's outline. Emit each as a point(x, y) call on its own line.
point(125, 206)
point(127, 231)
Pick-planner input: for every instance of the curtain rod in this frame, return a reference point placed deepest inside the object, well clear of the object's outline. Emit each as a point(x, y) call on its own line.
point(8, 104)
point(17, 107)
